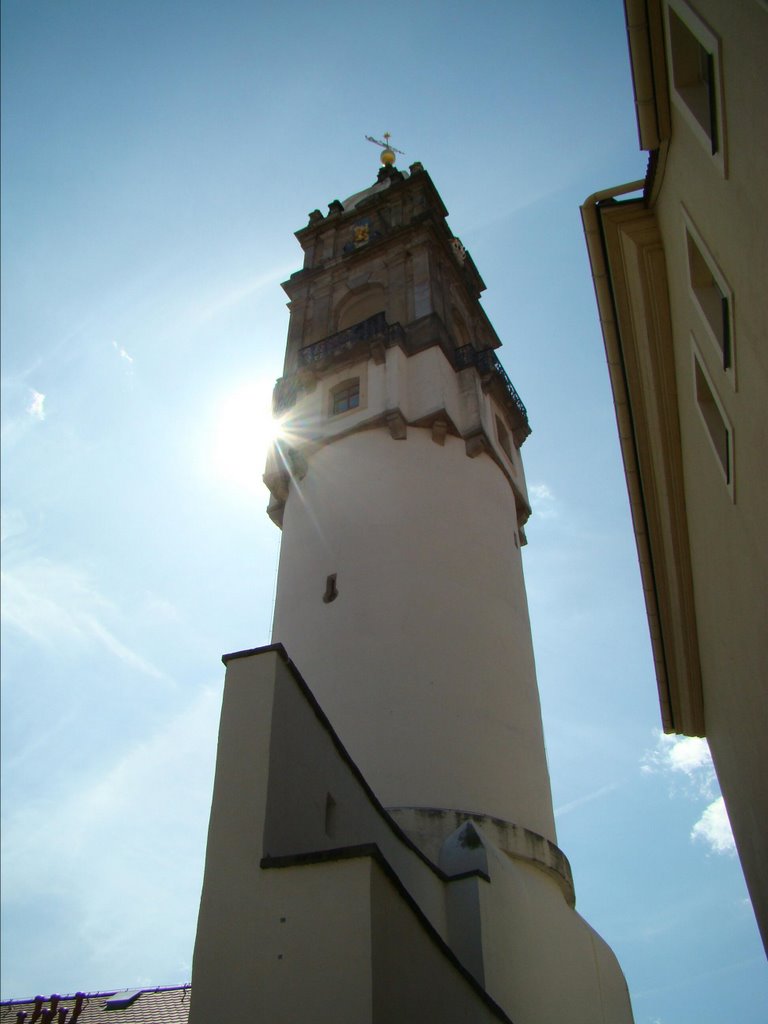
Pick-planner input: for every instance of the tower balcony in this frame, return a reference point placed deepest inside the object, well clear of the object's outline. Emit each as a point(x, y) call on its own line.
point(373, 336)
point(375, 331)
point(487, 364)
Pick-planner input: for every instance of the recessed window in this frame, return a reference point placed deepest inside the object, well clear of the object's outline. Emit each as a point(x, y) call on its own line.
point(712, 296)
point(503, 435)
point(330, 816)
point(695, 75)
point(331, 590)
point(714, 420)
point(345, 396)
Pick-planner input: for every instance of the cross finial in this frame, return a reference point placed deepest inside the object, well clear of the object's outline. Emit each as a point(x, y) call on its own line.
point(387, 151)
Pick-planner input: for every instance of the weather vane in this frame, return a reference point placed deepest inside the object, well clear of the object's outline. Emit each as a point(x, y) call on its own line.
point(388, 152)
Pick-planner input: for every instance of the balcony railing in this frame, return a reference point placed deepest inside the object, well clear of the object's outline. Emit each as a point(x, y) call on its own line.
point(487, 363)
point(375, 331)
point(343, 341)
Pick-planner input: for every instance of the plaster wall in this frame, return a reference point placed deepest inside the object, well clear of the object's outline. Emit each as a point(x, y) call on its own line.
point(726, 207)
point(530, 937)
point(427, 649)
point(420, 386)
point(305, 770)
point(259, 945)
point(300, 920)
point(427, 989)
point(228, 942)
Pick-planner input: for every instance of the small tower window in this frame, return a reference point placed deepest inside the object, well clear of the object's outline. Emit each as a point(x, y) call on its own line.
point(331, 590)
point(330, 816)
point(345, 396)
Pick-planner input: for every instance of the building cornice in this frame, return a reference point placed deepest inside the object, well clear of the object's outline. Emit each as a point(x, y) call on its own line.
point(645, 35)
point(629, 276)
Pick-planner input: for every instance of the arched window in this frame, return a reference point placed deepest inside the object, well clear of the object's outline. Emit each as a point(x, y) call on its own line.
point(359, 306)
point(345, 396)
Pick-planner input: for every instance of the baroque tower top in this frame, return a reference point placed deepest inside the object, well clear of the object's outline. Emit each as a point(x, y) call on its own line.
point(381, 270)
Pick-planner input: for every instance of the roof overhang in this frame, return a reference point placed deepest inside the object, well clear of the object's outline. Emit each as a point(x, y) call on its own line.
point(630, 280)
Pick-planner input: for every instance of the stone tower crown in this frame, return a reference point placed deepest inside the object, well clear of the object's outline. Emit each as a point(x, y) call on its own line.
point(384, 270)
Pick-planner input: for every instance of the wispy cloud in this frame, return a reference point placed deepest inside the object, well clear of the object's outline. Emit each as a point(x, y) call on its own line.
point(542, 500)
point(56, 604)
point(12, 523)
point(107, 864)
point(686, 763)
point(688, 979)
point(216, 303)
point(124, 356)
point(586, 799)
point(160, 609)
point(36, 407)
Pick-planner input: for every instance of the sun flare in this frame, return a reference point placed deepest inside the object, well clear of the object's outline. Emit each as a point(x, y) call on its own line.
point(243, 430)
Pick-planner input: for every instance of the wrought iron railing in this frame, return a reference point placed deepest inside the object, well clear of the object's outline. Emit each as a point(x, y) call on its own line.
point(376, 328)
point(373, 330)
point(486, 362)
point(342, 341)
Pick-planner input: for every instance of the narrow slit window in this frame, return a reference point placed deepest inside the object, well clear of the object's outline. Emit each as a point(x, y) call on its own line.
point(719, 433)
point(712, 297)
point(345, 396)
point(331, 590)
point(330, 816)
point(694, 77)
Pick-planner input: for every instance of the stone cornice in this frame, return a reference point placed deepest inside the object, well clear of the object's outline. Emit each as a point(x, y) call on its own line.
point(432, 824)
point(292, 463)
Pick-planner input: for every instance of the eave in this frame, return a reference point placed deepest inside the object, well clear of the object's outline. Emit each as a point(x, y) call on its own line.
point(629, 275)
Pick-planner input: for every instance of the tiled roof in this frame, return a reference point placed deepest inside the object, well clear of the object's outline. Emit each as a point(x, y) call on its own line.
point(144, 1006)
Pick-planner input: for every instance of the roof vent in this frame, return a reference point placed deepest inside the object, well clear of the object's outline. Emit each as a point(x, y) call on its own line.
point(120, 1000)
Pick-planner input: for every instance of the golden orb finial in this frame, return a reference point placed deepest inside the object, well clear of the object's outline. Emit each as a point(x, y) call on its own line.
point(387, 155)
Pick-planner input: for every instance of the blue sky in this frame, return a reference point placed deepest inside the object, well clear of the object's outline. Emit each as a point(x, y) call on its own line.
point(157, 158)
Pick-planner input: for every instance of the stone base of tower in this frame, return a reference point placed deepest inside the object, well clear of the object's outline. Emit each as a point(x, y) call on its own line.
point(317, 906)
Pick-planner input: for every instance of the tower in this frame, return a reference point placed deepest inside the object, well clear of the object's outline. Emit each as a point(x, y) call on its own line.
point(423, 797)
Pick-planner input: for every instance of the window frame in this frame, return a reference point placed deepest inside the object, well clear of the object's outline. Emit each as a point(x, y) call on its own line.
point(687, 95)
point(712, 405)
point(339, 389)
point(724, 347)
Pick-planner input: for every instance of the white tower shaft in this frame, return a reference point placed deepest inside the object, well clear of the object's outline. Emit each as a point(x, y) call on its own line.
point(400, 591)
point(424, 660)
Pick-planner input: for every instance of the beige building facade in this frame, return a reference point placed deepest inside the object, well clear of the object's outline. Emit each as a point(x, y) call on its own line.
point(681, 278)
point(382, 845)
